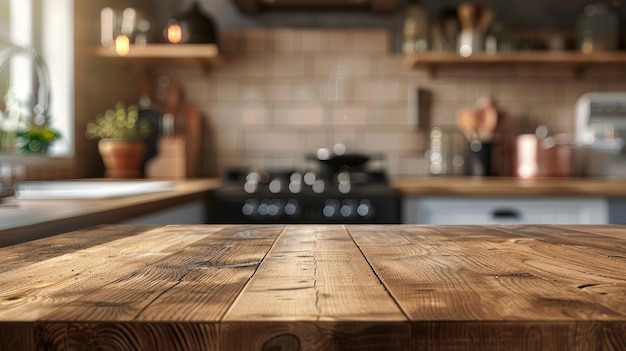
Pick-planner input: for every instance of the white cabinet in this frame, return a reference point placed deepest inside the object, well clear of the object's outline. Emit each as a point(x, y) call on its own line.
point(453, 210)
point(189, 213)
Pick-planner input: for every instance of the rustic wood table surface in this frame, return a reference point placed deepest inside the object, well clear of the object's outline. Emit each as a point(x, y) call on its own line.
point(317, 287)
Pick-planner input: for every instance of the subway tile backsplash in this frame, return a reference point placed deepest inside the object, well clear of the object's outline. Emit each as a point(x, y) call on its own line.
point(283, 93)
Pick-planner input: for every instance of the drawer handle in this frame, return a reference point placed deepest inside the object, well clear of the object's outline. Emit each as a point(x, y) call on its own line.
point(506, 213)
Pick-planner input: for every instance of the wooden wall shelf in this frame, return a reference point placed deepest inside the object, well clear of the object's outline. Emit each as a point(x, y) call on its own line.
point(207, 53)
point(580, 61)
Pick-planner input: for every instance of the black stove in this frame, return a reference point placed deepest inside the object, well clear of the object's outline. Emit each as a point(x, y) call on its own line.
point(307, 197)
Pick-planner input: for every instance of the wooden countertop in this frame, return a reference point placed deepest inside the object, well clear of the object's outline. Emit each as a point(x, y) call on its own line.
point(314, 287)
point(509, 187)
point(24, 220)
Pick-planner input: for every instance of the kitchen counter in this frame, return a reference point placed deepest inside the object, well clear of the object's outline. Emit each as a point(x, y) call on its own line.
point(24, 220)
point(510, 187)
point(314, 287)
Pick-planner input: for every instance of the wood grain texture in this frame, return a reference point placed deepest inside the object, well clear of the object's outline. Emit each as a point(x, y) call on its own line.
point(317, 287)
point(510, 336)
point(577, 259)
point(39, 250)
point(327, 336)
point(314, 273)
point(126, 336)
point(472, 279)
point(59, 280)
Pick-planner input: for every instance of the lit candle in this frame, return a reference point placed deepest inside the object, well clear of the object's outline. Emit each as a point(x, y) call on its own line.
point(174, 33)
point(122, 45)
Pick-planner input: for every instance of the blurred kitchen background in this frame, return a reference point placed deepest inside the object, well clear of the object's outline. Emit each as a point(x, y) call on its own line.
point(293, 81)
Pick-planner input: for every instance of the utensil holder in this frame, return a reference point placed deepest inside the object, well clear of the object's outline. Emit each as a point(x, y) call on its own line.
point(480, 158)
point(470, 41)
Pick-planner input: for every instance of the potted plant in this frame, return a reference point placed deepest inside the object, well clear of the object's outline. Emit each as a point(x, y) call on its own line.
point(37, 138)
point(120, 133)
point(21, 131)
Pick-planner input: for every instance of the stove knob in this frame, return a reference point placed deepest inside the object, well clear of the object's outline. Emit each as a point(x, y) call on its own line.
point(348, 209)
point(344, 188)
point(264, 208)
point(250, 187)
point(318, 186)
point(273, 209)
point(309, 178)
point(276, 186)
point(249, 208)
point(291, 208)
point(365, 209)
point(343, 178)
point(295, 182)
point(331, 209)
point(295, 187)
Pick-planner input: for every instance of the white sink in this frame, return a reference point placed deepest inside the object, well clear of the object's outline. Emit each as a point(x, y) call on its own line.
point(89, 189)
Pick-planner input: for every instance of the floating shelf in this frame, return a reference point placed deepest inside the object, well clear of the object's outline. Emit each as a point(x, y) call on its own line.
point(580, 61)
point(443, 58)
point(207, 53)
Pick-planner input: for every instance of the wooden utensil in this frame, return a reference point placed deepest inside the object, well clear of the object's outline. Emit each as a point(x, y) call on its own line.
point(466, 121)
point(467, 14)
point(486, 119)
point(485, 20)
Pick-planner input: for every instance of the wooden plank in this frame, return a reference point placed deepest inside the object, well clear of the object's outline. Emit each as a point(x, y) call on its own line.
point(527, 57)
point(203, 51)
point(198, 282)
point(33, 291)
point(593, 238)
point(476, 274)
point(17, 336)
point(87, 336)
point(314, 274)
point(476, 288)
point(614, 337)
point(212, 285)
point(579, 260)
point(17, 256)
point(510, 336)
point(327, 336)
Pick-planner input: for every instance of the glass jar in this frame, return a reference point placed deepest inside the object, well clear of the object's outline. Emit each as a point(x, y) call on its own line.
point(446, 152)
point(598, 29)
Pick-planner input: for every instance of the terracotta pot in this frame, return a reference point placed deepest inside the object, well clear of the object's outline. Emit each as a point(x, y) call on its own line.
point(122, 158)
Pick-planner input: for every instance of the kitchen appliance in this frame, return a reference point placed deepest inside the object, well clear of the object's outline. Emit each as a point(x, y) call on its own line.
point(600, 133)
point(540, 155)
point(356, 195)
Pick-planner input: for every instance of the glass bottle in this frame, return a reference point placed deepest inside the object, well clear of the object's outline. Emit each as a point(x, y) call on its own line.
point(415, 29)
point(598, 29)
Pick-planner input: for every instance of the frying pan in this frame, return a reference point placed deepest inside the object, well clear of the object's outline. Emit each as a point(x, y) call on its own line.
point(341, 161)
point(336, 162)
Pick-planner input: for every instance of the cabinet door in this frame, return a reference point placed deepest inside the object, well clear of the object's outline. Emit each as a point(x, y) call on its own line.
point(453, 211)
point(617, 211)
point(189, 213)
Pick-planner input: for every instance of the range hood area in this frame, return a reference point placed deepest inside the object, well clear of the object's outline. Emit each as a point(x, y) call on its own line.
point(252, 6)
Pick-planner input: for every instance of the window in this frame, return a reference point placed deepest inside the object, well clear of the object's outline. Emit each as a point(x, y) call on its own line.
point(46, 26)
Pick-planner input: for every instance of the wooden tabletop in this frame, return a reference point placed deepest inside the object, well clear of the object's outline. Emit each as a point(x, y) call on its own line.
point(511, 187)
point(317, 287)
